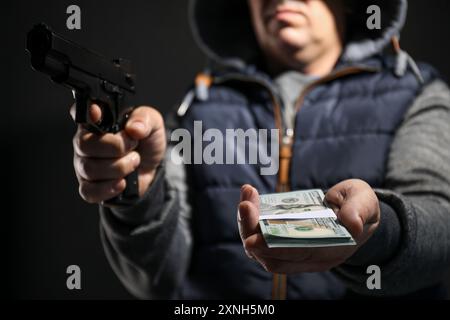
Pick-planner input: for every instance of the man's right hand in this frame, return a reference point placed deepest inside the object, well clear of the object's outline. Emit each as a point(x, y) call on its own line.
point(103, 161)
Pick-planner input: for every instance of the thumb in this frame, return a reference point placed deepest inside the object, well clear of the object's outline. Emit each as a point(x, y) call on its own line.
point(348, 204)
point(248, 212)
point(143, 121)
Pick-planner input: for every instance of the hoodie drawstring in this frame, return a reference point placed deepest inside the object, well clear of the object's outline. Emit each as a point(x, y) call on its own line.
point(404, 60)
point(201, 91)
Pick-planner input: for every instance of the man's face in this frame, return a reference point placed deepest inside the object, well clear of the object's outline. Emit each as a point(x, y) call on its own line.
point(296, 30)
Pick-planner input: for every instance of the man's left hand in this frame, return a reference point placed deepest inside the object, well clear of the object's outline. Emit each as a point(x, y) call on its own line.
point(356, 207)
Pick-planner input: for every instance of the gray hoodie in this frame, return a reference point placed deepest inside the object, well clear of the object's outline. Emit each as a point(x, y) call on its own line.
point(149, 245)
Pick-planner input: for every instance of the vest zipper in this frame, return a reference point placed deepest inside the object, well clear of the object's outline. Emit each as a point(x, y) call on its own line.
point(279, 283)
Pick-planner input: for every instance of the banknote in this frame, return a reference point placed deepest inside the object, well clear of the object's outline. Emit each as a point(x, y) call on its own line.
point(304, 204)
point(318, 232)
point(300, 219)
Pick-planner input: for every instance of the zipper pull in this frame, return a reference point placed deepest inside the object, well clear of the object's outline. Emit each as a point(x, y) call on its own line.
point(288, 137)
point(203, 82)
point(285, 160)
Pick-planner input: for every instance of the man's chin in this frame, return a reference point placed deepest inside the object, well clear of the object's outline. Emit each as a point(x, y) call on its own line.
point(292, 39)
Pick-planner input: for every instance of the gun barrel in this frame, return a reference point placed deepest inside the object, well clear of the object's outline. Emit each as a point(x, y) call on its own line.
point(55, 56)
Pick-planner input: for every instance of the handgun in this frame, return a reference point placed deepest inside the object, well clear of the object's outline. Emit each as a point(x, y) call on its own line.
point(109, 83)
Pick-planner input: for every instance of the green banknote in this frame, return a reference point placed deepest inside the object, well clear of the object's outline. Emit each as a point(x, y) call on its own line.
point(303, 204)
point(300, 219)
point(305, 233)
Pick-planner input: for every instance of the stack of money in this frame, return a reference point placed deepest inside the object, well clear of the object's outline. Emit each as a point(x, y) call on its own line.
point(300, 219)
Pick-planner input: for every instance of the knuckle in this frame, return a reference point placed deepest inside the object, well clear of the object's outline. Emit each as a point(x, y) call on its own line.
point(123, 167)
point(249, 246)
point(121, 146)
point(81, 142)
point(146, 110)
point(118, 148)
point(87, 168)
point(76, 140)
point(356, 228)
point(155, 114)
point(249, 254)
point(84, 167)
point(153, 117)
point(84, 139)
point(86, 193)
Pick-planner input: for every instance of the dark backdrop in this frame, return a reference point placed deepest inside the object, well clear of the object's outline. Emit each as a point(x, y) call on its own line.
point(47, 226)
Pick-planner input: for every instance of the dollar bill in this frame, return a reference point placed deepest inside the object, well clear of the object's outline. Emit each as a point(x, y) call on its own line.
point(306, 233)
point(300, 219)
point(305, 204)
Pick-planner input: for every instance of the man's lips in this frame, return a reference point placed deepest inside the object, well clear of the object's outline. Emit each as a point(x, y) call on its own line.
point(283, 14)
point(287, 10)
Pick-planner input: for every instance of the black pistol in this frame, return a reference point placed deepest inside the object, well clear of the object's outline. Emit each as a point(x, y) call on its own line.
point(92, 79)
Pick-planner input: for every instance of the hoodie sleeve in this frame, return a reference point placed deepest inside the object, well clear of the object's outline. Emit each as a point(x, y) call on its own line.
point(416, 198)
point(149, 245)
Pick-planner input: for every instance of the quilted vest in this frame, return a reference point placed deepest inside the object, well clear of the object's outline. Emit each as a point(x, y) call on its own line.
point(344, 129)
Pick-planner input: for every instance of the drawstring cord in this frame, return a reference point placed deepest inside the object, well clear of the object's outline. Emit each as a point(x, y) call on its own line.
point(404, 60)
point(203, 81)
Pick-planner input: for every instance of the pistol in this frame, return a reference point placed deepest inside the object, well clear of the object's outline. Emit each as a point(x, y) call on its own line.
point(93, 79)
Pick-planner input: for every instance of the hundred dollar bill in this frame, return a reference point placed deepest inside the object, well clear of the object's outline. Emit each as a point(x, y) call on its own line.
point(318, 232)
point(305, 204)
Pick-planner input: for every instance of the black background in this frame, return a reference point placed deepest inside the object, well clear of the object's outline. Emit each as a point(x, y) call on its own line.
point(47, 225)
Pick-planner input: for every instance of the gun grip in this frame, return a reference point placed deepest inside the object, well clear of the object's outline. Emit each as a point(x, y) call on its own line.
point(130, 195)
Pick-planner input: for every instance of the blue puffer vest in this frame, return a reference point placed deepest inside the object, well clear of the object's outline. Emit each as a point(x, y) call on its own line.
point(343, 130)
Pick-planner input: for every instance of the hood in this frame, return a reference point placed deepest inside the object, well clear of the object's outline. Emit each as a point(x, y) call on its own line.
point(223, 30)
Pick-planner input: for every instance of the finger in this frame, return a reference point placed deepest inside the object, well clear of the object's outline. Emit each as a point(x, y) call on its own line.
point(287, 254)
point(72, 111)
point(349, 216)
point(143, 121)
point(256, 246)
point(97, 192)
point(344, 200)
point(254, 242)
point(248, 212)
point(359, 216)
point(98, 169)
point(335, 197)
point(88, 144)
point(95, 112)
point(249, 193)
point(248, 219)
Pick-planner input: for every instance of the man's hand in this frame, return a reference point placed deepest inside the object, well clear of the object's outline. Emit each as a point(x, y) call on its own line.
point(103, 161)
point(356, 207)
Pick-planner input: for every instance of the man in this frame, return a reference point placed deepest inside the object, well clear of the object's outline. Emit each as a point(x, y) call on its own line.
point(370, 129)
